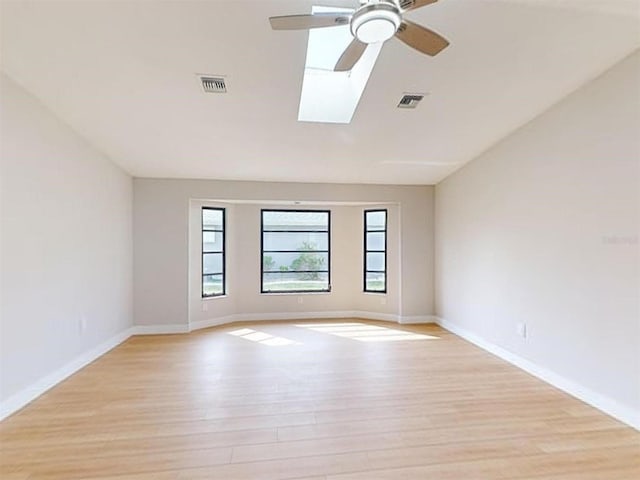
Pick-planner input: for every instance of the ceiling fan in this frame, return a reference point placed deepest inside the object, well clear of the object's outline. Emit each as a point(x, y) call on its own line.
point(375, 21)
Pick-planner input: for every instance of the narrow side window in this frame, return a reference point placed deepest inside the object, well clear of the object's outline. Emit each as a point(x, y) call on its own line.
point(375, 251)
point(213, 256)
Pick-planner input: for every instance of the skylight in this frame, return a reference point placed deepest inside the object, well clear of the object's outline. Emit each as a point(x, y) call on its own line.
point(328, 96)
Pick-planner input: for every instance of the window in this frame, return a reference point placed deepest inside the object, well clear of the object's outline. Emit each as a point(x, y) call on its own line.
point(375, 251)
point(213, 259)
point(295, 251)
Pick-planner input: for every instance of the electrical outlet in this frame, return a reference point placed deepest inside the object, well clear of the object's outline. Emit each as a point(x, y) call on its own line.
point(383, 300)
point(82, 324)
point(205, 306)
point(521, 328)
point(300, 299)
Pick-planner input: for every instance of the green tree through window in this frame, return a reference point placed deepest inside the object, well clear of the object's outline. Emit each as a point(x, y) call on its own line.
point(308, 261)
point(295, 251)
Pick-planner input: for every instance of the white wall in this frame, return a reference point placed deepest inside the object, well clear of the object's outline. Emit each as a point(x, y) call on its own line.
point(543, 229)
point(162, 212)
point(65, 244)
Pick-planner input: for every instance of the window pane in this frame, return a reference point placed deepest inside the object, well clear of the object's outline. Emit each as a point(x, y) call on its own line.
point(212, 263)
point(295, 261)
point(376, 220)
point(211, 219)
point(295, 281)
point(295, 241)
point(295, 251)
point(375, 251)
point(211, 241)
point(211, 285)
point(375, 261)
point(375, 241)
point(295, 220)
point(374, 282)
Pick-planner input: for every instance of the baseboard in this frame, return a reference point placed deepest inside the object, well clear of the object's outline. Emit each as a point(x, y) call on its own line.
point(258, 317)
point(418, 319)
point(159, 329)
point(264, 317)
point(33, 391)
point(384, 317)
point(212, 322)
point(603, 403)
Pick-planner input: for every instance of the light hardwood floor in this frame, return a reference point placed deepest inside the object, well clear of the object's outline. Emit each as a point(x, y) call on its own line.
point(333, 400)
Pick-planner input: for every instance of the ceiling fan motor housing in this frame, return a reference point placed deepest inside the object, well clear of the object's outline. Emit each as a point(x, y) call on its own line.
point(376, 22)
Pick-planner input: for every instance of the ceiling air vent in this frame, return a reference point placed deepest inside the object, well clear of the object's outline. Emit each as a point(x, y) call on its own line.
point(406, 4)
point(213, 84)
point(410, 100)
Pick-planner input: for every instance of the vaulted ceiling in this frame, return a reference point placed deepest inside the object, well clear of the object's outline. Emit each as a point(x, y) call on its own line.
point(123, 75)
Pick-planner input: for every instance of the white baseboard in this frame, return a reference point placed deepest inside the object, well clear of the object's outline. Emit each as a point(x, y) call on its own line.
point(33, 391)
point(264, 317)
point(212, 322)
point(418, 319)
point(603, 403)
point(258, 317)
point(159, 329)
point(384, 317)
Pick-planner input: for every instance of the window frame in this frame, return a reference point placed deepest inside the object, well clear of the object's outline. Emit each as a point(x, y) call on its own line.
point(223, 231)
point(365, 250)
point(262, 251)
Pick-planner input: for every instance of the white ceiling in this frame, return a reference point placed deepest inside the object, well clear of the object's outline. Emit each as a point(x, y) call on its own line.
point(122, 74)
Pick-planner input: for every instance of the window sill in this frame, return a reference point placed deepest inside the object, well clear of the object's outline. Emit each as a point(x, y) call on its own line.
point(215, 297)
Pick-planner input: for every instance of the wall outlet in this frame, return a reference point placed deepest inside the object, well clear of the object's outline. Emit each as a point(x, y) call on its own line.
point(82, 324)
point(205, 306)
point(300, 299)
point(521, 328)
point(383, 300)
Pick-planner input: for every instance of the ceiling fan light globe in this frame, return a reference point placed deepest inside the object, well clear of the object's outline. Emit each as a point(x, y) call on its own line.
point(376, 30)
point(375, 22)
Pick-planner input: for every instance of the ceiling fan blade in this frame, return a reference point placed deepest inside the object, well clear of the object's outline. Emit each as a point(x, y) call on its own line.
point(407, 5)
point(420, 38)
point(305, 22)
point(350, 56)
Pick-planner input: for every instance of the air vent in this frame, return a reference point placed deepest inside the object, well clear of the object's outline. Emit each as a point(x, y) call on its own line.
point(406, 4)
point(410, 101)
point(213, 84)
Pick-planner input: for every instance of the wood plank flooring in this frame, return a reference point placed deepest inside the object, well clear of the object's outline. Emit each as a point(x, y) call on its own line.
point(323, 400)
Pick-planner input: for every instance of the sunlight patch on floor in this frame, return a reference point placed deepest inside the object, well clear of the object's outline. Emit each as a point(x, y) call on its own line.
point(262, 337)
point(364, 332)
